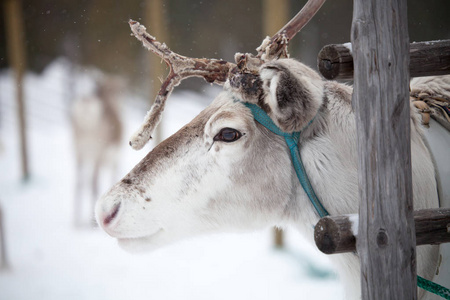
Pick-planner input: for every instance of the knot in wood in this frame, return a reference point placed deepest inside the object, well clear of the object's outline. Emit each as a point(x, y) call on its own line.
point(327, 64)
point(382, 239)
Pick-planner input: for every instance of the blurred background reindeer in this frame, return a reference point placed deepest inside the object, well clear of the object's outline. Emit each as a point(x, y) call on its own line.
point(97, 129)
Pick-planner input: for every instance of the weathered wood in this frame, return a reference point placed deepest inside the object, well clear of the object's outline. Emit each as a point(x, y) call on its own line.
point(386, 240)
point(426, 59)
point(17, 61)
point(337, 234)
point(336, 62)
point(429, 58)
point(432, 226)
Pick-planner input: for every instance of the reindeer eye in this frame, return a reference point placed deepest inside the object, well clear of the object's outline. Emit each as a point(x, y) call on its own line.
point(228, 135)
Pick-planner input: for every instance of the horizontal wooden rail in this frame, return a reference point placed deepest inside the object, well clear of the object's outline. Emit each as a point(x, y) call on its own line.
point(336, 234)
point(426, 59)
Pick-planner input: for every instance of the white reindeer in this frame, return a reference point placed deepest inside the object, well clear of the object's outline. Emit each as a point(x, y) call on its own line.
point(97, 131)
point(224, 171)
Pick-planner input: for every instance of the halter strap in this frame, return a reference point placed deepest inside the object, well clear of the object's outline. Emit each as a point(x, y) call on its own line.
point(292, 142)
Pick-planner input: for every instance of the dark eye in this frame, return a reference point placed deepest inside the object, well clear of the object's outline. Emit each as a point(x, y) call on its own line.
point(228, 135)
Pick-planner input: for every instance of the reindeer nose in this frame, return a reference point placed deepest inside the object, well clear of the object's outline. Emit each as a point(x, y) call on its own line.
point(112, 214)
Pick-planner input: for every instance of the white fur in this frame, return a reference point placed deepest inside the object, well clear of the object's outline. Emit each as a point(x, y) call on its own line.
point(198, 185)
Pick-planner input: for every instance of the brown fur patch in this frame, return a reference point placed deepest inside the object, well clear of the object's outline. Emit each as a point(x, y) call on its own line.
point(168, 149)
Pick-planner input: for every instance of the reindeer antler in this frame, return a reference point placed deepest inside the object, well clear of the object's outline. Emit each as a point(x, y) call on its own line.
point(212, 70)
point(181, 67)
point(276, 46)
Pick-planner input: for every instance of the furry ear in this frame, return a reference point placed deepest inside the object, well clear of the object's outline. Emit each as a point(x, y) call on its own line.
point(293, 92)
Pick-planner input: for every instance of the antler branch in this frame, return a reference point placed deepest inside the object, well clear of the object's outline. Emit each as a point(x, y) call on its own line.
point(276, 46)
point(181, 67)
point(213, 70)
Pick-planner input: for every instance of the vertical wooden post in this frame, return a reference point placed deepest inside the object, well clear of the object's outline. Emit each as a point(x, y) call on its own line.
point(17, 61)
point(275, 16)
point(155, 15)
point(386, 238)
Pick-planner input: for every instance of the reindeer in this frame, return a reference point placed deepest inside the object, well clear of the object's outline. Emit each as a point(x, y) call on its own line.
point(225, 171)
point(97, 134)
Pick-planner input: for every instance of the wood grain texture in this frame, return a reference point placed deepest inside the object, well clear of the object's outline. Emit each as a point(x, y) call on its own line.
point(335, 61)
point(386, 240)
point(334, 234)
point(429, 58)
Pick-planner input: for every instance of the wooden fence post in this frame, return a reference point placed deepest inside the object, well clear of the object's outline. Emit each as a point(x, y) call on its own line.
point(386, 239)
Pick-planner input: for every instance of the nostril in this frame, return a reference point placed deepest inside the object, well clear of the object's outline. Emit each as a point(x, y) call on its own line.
point(112, 215)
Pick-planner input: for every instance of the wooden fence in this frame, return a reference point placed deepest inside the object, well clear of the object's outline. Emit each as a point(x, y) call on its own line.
point(379, 63)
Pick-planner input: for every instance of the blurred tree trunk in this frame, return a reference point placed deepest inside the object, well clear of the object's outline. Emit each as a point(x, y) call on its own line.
point(17, 61)
point(275, 16)
point(3, 259)
point(155, 15)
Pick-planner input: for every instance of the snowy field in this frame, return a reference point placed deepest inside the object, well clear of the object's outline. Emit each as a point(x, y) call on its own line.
point(51, 259)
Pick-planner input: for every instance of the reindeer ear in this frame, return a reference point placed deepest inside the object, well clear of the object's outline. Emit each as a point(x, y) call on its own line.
point(293, 91)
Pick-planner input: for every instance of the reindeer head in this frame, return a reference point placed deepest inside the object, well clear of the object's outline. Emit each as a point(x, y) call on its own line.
point(223, 170)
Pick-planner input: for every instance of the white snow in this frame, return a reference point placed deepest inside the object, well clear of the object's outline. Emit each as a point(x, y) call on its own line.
point(354, 221)
point(50, 259)
point(349, 46)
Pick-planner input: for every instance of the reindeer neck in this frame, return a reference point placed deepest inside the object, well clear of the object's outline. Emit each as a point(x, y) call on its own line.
point(292, 140)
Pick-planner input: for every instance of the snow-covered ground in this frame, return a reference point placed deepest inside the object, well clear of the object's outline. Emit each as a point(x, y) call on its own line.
point(51, 259)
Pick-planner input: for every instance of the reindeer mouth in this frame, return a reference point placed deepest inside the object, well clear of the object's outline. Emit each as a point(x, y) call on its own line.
point(141, 244)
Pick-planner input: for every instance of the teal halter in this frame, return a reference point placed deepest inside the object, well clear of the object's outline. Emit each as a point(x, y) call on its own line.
point(292, 142)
